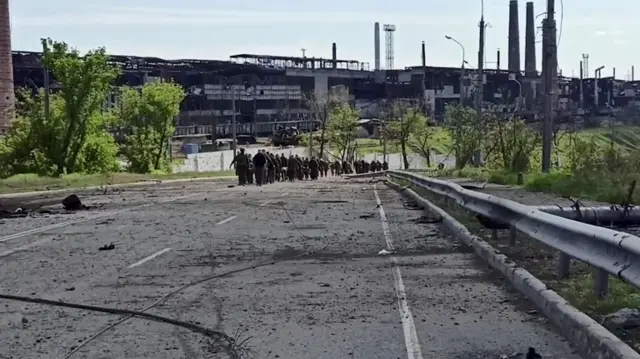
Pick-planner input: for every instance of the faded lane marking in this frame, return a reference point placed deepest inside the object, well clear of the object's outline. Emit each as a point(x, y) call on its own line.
point(408, 325)
point(226, 220)
point(145, 260)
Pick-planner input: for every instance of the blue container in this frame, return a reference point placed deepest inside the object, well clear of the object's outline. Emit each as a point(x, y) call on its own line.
point(191, 148)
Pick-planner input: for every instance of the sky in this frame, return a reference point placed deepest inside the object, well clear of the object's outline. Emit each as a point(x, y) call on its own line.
point(216, 29)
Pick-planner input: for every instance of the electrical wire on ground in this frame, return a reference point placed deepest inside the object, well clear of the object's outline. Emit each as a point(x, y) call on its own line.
point(231, 342)
point(235, 348)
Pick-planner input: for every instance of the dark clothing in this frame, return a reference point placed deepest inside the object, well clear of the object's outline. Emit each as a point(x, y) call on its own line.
point(313, 169)
point(259, 160)
point(242, 166)
point(259, 175)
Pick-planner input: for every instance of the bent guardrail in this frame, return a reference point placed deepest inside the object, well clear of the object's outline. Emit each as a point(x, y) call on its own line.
point(611, 252)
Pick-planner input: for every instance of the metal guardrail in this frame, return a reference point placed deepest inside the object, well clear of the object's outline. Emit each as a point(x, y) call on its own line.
point(611, 252)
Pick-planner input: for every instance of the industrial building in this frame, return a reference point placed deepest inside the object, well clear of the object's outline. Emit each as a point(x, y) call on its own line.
point(265, 90)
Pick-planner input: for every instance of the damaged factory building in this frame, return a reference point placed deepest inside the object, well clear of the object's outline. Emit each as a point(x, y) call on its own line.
point(267, 91)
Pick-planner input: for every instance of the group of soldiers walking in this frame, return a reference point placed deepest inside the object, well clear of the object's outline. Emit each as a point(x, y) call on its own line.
point(266, 167)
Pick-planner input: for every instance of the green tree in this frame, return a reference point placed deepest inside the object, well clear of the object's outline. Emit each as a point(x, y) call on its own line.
point(342, 127)
point(510, 145)
point(402, 123)
point(84, 85)
point(321, 108)
point(148, 116)
point(72, 136)
point(466, 132)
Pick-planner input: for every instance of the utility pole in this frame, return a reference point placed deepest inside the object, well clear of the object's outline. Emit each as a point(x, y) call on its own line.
point(477, 155)
point(550, 71)
point(233, 120)
point(47, 86)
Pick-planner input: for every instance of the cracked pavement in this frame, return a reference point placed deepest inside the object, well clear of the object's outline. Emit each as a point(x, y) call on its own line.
point(328, 294)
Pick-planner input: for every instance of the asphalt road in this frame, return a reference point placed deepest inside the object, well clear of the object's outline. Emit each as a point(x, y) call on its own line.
point(328, 295)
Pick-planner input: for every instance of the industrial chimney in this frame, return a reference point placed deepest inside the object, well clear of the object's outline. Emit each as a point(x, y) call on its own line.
point(424, 55)
point(376, 44)
point(498, 59)
point(514, 37)
point(530, 43)
point(334, 55)
point(6, 69)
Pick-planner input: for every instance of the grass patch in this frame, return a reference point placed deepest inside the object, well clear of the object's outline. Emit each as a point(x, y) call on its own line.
point(579, 290)
point(32, 182)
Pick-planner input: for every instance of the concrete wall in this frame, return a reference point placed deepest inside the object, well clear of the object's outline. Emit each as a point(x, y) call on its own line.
point(221, 160)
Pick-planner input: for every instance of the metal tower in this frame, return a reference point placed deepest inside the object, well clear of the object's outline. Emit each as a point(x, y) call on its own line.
point(388, 39)
point(585, 64)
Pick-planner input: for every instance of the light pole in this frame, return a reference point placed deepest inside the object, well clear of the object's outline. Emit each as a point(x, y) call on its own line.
point(477, 155)
point(461, 68)
point(512, 77)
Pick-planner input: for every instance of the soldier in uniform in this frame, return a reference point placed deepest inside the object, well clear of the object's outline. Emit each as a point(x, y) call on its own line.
point(385, 166)
point(321, 164)
point(314, 168)
point(292, 165)
point(242, 166)
point(271, 168)
point(250, 171)
point(259, 162)
point(374, 166)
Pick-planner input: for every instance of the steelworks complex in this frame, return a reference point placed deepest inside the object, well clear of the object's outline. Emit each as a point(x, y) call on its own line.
point(272, 89)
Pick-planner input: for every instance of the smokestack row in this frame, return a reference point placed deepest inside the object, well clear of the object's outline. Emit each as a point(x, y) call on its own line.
point(514, 38)
point(6, 68)
point(530, 43)
point(376, 44)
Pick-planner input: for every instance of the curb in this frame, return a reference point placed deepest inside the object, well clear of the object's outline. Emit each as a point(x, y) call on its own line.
point(591, 338)
point(62, 191)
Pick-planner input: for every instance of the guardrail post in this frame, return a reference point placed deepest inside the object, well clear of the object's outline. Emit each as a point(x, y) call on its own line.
point(513, 233)
point(601, 284)
point(564, 264)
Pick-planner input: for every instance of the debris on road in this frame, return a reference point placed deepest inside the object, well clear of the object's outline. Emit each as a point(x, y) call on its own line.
point(384, 252)
point(107, 247)
point(72, 203)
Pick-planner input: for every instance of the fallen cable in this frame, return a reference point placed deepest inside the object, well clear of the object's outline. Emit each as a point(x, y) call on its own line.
point(130, 313)
point(200, 281)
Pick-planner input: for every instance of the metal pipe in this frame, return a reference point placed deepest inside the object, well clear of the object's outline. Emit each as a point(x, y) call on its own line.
point(599, 216)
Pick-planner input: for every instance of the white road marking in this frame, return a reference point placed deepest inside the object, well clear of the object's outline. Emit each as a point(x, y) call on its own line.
point(145, 260)
point(408, 325)
point(69, 223)
point(226, 220)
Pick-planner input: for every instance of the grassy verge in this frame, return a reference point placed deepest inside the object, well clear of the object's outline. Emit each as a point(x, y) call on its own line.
point(609, 187)
point(541, 261)
point(32, 182)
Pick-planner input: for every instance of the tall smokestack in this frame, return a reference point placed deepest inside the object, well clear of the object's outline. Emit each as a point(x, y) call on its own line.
point(514, 37)
point(530, 42)
point(424, 55)
point(498, 60)
point(6, 68)
point(334, 55)
point(376, 44)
